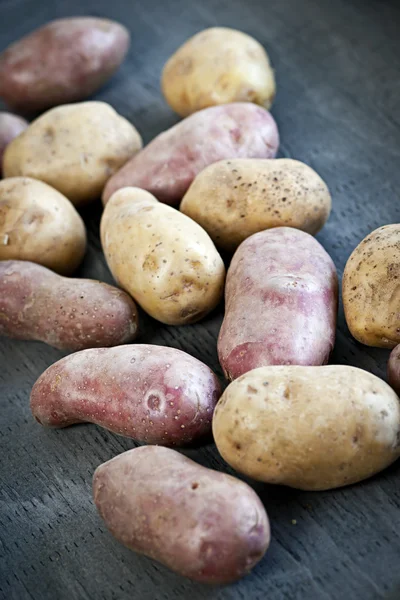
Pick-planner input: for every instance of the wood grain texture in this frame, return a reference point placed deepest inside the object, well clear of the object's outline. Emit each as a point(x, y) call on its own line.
point(337, 66)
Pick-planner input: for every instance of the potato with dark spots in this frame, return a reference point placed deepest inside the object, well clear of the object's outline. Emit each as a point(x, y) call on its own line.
point(394, 369)
point(167, 166)
point(311, 428)
point(153, 394)
point(371, 288)
point(69, 314)
point(163, 259)
point(281, 300)
point(10, 127)
point(200, 523)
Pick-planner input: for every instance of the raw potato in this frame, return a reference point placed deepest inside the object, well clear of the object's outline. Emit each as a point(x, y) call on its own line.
point(163, 259)
point(311, 428)
point(74, 148)
point(218, 66)
point(10, 127)
point(371, 288)
point(200, 523)
point(281, 300)
point(70, 314)
point(167, 166)
point(39, 224)
point(394, 369)
point(232, 199)
point(153, 394)
point(65, 61)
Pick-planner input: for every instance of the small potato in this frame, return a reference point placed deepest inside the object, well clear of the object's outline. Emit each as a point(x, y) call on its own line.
point(281, 300)
point(232, 199)
point(394, 369)
point(217, 66)
point(153, 394)
point(311, 428)
point(74, 148)
point(163, 259)
point(167, 166)
point(10, 127)
point(371, 289)
point(70, 314)
point(65, 61)
point(200, 523)
point(39, 224)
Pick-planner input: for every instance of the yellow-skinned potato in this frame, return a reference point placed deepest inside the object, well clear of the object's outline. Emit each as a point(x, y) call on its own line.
point(75, 148)
point(163, 259)
point(232, 199)
point(217, 66)
point(371, 288)
point(311, 428)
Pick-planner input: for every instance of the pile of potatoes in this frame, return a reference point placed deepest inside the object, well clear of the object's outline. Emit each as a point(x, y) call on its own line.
point(211, 183)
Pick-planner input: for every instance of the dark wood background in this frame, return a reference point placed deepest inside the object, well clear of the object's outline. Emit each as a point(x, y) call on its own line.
point(338, 109)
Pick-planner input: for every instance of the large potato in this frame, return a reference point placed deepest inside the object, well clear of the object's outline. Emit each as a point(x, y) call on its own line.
point(203, 524)
point(218, 66)
point(232, 199)
point(312, 428)
point(65, 61)
point(74, 148)
point(10, 127)
point(39, 224)
point(394, 369)
point(167, 166)
point(371, 288)
point(280, 303)
point(153, 394)
point(70, 314)
point(161, 258)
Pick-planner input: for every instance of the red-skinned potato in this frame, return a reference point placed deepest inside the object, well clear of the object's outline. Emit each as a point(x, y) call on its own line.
point(200, 523)
point(10, 127)
point(394, 369)
point(154, 394)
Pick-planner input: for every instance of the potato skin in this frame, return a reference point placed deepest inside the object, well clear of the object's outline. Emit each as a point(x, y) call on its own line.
point(65, 61)
point(394, 369)
point(281, 299)
point(233, 199)
point(163, 259)
point(311, 428)
point(69, 314)
point(371, 288)
point(167, 166)
point(10, 127)
point(75, 148)
point(154, 394)
point(39, 224)
point(200, 523)
point(218, 66)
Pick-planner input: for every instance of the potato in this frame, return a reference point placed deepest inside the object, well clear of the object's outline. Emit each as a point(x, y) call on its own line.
point(311, 428)
point(201, 523)
point(39, 224)
point(232, 199)
point(394, 369)
point(74, 148)
point(371, 288)
point(167, 166)
point(280, 303)
point(70, 314)
point(217, 66)
point(10, 127)
point(161, 258)
point(153, 394)
point(65, 61)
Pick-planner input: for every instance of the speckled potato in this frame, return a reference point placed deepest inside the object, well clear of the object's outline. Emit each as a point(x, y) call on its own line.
point(394, 369)
point(167, 166)
point(75, 148)
point(200, 523)
point(70, 314)
point(217, 66)
point(371, 288)
point(10, 127)
point(39, 224)
point(154, 394)
point(163, 259)
point(311, 428)
point(235, 198)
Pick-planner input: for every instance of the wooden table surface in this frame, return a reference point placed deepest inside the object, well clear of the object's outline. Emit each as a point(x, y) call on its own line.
point(338, 75)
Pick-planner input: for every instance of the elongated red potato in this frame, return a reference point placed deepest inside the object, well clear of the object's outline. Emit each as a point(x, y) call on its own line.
point(153, 394)
point(394, 369)
point(70, 314)
point(201, 523)
point(280, 303)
